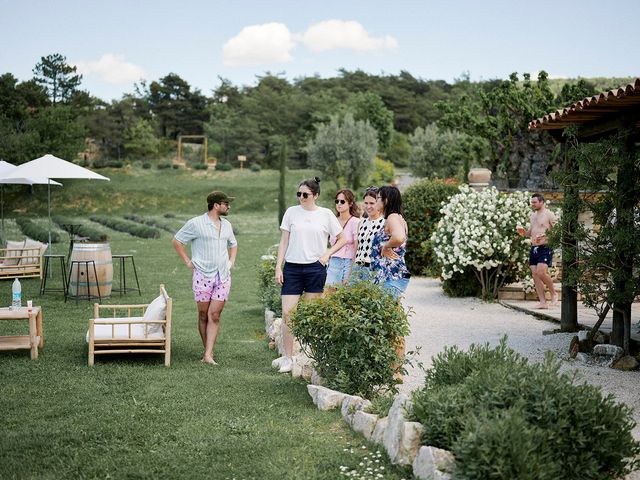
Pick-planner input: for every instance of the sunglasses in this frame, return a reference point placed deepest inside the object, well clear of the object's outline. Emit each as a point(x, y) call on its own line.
point(341, 202)
point(303, 194)
point(372, 189)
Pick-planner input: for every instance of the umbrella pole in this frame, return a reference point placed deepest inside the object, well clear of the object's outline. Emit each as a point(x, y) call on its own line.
point(49, 204)
point(2, 206)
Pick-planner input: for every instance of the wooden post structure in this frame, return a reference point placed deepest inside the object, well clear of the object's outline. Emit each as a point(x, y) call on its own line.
point(569, 304)
point(205, 145)
point(242, 159)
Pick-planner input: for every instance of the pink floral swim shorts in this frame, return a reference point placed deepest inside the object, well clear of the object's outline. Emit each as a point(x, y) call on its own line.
point(207, 289)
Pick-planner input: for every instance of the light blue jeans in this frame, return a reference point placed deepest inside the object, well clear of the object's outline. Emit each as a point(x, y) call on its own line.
point(360, 273)
point(396, 287)
point(338, 271)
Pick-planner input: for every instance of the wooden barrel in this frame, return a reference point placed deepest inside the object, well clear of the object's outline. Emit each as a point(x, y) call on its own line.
point(83, 283)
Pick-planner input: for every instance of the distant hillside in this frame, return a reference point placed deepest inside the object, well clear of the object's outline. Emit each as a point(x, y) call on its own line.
point(601, 84)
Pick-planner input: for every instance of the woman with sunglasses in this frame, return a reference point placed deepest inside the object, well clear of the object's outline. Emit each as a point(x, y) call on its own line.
point(340, 262)
point(389, 244)
point(367, 228)
point(306, 229)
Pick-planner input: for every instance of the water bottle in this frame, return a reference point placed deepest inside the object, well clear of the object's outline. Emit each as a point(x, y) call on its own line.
point(16, 298)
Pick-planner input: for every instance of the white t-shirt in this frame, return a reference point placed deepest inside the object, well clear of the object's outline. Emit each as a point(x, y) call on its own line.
point(309, 231)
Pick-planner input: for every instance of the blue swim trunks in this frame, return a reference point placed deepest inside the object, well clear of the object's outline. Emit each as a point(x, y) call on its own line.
point(540, 254)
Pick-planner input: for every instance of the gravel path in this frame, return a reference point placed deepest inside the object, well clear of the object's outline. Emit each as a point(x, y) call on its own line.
point(438, 321)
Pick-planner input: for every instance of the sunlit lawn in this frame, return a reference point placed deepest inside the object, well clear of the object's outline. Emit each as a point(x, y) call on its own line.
point(129, 416)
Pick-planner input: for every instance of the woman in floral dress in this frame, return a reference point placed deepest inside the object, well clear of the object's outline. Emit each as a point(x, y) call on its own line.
point(389, 245)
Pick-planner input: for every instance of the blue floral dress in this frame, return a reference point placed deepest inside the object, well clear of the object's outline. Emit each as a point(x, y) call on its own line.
point(383, 268)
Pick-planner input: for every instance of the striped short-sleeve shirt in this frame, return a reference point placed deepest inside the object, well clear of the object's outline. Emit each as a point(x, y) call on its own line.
point(209, 245)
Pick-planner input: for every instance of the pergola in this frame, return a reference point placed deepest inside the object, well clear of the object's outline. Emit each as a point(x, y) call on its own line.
point(606, 114)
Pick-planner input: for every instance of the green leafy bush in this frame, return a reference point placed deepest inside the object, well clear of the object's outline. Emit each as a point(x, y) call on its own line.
point(422, 202)
point(255, 167)
point(352, 336)
point(223, 167)
point(81, 229)
point(383, 172)
point(127, 226)
point(503, 417)
point(153, 222)
point(199, 166)
point(107, 163)
point(146, 165)
point(462, 284)
point(268, 289)
point(35, 231)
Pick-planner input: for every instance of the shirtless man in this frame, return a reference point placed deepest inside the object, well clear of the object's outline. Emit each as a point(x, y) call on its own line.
point(541, 255)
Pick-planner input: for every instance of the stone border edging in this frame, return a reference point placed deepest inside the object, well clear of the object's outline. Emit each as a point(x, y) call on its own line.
point(399, 437)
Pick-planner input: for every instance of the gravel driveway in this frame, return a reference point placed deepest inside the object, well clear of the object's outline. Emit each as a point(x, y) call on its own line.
point(438, 321)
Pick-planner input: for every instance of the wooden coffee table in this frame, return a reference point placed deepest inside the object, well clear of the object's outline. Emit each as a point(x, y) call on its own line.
point(28, 342)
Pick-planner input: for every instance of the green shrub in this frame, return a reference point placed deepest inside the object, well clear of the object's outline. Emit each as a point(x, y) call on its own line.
point(255, 167)
point(146, 165)
point(169, 215)
point(383, 172)
point(381, 404)
point(200, 166)
point(503, 417)
point(463, 284)
point(153, 222)
point(35, 231)
point(351, 335)
point(175, 166)
point(127, 226)
point(83, 230)
point(268, 289)
point(422, 202)
point(107, 163)
point(223, 167)
point(164, 165)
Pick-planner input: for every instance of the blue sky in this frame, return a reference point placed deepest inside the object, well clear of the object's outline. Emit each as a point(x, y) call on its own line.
point(117, 42)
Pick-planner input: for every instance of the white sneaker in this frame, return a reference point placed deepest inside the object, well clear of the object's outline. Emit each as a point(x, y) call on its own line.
point(286, 366)
point(277, 363)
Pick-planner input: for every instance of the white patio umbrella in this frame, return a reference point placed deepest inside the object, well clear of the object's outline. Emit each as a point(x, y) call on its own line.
point(50, 166)
point(5, 169)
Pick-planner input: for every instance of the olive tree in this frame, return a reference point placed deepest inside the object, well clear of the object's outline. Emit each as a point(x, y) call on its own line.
point(344, 150)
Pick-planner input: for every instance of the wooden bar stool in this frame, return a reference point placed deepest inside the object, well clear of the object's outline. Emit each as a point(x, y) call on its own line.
point(122, 284)
point(45, 274)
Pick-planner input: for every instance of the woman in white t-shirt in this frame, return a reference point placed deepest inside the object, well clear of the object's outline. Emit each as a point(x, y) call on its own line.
point(301, 267)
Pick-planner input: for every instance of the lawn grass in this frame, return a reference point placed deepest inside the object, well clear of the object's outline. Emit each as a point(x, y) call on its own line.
point(129, 416)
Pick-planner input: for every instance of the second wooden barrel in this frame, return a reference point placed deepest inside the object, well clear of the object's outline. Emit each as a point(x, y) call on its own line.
point(83, 280)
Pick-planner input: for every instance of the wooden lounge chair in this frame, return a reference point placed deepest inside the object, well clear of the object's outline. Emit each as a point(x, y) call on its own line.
point(120, 331)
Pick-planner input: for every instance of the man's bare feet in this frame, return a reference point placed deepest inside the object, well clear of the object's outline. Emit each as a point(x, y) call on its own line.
point(208, 360)
point(554, 299)
point(541, 306)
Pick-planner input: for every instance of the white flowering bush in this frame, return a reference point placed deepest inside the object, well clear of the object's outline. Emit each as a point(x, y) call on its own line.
point(477, 231)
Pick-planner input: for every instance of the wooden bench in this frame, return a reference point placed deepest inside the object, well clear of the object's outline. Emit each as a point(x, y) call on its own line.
point(21, 262)
point(119, 331)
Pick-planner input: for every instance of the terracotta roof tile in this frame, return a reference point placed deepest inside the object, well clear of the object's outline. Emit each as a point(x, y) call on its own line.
point(590, 108)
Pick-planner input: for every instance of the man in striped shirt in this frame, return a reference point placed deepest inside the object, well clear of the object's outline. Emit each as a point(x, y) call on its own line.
point(213, 254)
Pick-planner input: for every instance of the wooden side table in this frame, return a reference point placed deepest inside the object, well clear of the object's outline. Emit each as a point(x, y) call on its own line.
point(28, 342)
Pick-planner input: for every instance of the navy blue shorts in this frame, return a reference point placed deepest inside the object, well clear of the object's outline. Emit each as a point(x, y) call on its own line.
point(540, 254)
point(303, 277)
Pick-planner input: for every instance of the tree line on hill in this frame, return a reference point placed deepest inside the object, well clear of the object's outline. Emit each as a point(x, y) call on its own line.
point(438, 129)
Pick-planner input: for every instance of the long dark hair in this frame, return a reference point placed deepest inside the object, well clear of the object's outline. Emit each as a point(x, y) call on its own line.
point(354, 210)
point(313, 184)
point(391, 199)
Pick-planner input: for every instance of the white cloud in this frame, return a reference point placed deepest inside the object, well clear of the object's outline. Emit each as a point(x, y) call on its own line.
point(259, 45)
point(112, 69)
point(351, 35)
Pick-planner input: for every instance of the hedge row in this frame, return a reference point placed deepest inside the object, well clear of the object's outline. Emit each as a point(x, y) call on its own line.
point(82, 230)
point(35, 231)
point(152, 222)
point(503, 417)
point(127, 226)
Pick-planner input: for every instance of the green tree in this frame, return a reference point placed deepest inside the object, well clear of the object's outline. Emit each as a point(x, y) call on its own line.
point(370, 107)
point(398, 150)
point(499, 112)
point(141, 141)
point(439, 153)
point(58, 78)
point(344, 150)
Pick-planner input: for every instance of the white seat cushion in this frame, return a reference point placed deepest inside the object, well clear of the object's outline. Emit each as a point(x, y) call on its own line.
point(157, 310)
point(106, 331)
point(31, 245)
point(18, 246)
